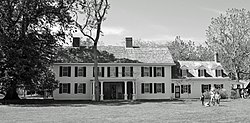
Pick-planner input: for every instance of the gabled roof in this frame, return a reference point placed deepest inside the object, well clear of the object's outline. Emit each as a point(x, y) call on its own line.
point(144, 55)
point(193, 67)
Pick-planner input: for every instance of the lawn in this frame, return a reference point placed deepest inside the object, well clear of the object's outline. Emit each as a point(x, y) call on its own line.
point(160, 111)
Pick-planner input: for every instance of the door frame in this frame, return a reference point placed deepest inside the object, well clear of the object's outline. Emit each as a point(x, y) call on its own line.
point(177, 91)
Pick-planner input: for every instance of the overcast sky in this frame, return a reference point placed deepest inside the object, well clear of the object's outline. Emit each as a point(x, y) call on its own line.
point(163, 20)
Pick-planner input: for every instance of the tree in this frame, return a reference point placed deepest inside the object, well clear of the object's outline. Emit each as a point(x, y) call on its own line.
point(28, 42)
point(92, 13)
point(229, 35)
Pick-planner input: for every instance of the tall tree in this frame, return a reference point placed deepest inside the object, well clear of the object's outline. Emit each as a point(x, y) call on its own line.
point(28, 42)
point(89, 16)
point(229, 34)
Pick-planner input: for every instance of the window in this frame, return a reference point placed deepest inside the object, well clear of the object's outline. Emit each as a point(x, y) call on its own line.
point(159, 88)
point(218, 86)
point(158, 71)
point(218, 73)
point(65, 71)
point(201, 72)
point(64, 88)
point(80, 71)
point(146, 88)
point(100, 71)
point(184, 73)
point(205, 88)
point(80, 88)
point(112, 71)
point(185, 89)
point(146, 71)
point(127, 71)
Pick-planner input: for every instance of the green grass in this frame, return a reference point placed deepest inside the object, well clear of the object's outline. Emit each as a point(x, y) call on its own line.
point(136, 112)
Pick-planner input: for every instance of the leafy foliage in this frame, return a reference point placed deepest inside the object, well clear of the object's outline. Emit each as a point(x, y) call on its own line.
point(28, 42)
point(229, 35)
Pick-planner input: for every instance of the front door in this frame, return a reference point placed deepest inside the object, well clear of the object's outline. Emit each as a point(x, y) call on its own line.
point(177, 91)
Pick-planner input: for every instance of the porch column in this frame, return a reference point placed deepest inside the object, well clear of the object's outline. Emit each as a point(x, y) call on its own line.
point(133, 97)
point(101, 96)
point(93, 91)
point(125, 91)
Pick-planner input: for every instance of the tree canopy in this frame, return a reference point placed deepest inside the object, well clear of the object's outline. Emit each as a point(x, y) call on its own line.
point(229, 35)
point(28, 41)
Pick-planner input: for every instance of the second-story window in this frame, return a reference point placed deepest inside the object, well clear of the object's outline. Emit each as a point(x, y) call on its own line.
point(80, 71)
point(100, 71)
point(127, 71)
point(201, 72)
point(146, 71)
point(159, 72)
point(65, 71)
point(112, 71)
point(218, 73)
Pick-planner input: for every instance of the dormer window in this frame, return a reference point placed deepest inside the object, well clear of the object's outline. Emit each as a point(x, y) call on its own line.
point(218, 73)
point(184, 73)
point(201, 72)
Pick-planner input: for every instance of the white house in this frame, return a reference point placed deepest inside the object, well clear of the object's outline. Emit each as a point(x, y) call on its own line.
point(150, 79)
point(199, 77)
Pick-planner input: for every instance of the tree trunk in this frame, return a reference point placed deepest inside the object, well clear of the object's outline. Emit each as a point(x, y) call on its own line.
point(97, 88)
point(11, 94)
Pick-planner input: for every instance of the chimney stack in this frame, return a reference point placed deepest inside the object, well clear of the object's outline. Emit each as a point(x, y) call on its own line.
point(129, 42)
point(216, 57)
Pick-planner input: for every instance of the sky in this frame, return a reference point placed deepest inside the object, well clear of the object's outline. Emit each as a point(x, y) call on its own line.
point(163, 20)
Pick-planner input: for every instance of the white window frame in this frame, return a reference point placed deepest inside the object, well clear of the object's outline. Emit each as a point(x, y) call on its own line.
point(65, 71)
point(206, 89)
point(112, 72)
point(158, 71)
point(219, 72)
point(80, 71)
point(202, 72)
point(146, 72)
point(185, 88)
point(158, 87)
point(65, 88)
point(146, 87)
point(184, 71)
point(80, 87)
point(127, 71)
point(218, 86)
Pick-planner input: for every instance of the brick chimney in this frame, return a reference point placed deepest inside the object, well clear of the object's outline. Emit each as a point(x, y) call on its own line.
point(129, 42)
point(216, 57)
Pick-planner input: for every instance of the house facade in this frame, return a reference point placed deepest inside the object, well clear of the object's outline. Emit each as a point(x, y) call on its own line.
point(150, 79)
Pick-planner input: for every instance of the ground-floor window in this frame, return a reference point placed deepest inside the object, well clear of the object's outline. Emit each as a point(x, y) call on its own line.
point(146, 88)
point(80, 88)
point(159, 88)
point(205, 88)
point(185, 89)
point(64, 88)
point(218, 86)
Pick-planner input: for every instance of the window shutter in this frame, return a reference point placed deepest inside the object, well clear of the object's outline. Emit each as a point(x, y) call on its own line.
point(172, 87)
point(202, 88)
point(163, 72)
point(84, 88)
point(163, 87)
point(60, 88)
point(93, 71)
point(189, 89)
point(181, 72)
point(199, 73)
point(221, 85)
point(75, 88)
point(154, 71)
point(187, 72)
point(151, 88)
point(102, 71)
point(108, 71)
point(154, 87)
point(123, 71)
point(142, 88)
point(60, 71)
point(205, 73)
point(182, 89)
point(76, 71)
point(131, 72)
point(216, 73)
point(150, 71)
point(142, 71)
point(69, 88)
point(84, 72)
point(209, 87)
point(69, 71)
point(116, 71)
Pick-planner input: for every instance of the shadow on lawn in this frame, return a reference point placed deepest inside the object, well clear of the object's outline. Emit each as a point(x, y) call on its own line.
point(81, 103)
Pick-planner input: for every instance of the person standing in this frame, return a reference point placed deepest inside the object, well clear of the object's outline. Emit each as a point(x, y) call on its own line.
point(202, 98)
point(217, 98)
